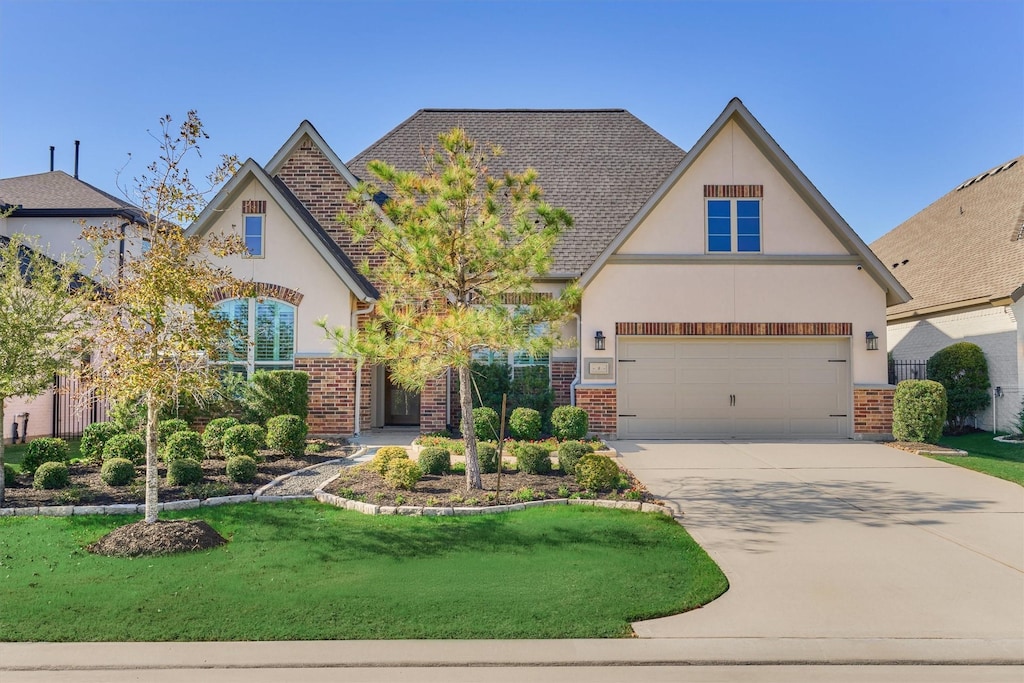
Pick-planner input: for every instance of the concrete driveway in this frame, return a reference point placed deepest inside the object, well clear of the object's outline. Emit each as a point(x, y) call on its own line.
point(844, 540)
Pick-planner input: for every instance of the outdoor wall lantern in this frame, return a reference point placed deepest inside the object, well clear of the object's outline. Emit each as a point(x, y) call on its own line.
point(599, 341)
point(872, 341)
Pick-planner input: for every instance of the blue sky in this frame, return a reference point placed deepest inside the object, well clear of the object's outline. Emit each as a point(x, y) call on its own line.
point(886, 106)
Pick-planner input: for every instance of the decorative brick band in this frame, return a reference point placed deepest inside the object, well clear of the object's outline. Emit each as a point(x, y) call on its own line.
point(730, 191)
point(254, 206)
point(524, 299)
point(601, 406)
point(261, 290)
point(735, 329)
point(872, 410)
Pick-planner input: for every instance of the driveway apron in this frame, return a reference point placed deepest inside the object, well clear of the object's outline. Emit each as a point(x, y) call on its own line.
point(842, 540)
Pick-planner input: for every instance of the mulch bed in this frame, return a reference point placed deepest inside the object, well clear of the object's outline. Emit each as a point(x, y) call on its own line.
point(162, 537)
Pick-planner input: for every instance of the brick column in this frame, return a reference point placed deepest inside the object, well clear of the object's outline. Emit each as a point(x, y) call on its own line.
point(601, 406)
point(332, 383)
point(872, 411)
point(563, 372)
point(433, 406)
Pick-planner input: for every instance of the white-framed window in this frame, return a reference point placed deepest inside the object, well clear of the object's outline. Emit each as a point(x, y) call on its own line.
point(733, 226)
point(265, 335)
point(253, 234)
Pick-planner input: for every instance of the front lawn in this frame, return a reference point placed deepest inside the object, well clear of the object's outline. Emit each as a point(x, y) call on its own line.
point(1003, 460)
point(14, 455)
point(303, 571)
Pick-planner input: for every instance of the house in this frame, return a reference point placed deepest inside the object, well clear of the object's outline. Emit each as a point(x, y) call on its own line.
point(723, 296)
point(962, 259)
point(54, 208)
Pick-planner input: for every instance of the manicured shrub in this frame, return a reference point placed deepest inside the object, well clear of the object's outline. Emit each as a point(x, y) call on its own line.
point(435, 461)
point(532, 459)
point(525, 423)
point(117, 472)
point(486, 422)
point(597, 472)
point(241, 469)
point(51, 475)
point(9, 476)
point(488, 456)
point(164, 428)
point(569, 422)
point(1018, 421)
point(918, 410)
point(531, 388)
point(183, 445)
point(95, 437)
point(213, 435)
point(385, 456)
point(277, 392)
point(570, 452)
point(128, 446)
point(243, 440)
point(287, 434)
point(963, 370)
point(130, 416)
point(403, 474)
point(45, 449)
point(183, 472)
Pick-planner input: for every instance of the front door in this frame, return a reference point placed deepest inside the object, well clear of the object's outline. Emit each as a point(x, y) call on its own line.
point(401, 407)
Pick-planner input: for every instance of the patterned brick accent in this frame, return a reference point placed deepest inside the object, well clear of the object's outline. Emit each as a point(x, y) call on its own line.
point(736, 329)
point(262, 290)
point(730, 191)
point(601, 406)
point(332, 383)
point(872, 410)
point(254, 206)
point(434, 405)
point(563, 372)
point(525, 299)
point(318, 185)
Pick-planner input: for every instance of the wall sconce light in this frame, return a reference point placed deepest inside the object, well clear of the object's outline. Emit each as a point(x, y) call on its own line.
point(599, 341)
point(872, 341)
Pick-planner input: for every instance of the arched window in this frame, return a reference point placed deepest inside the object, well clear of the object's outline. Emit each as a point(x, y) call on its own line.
point(266, 335)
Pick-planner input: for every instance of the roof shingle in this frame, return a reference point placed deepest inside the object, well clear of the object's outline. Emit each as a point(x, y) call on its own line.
point(56, 190)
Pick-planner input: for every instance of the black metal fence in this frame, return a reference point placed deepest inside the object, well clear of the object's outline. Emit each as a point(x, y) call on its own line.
point(75, 407)
point(900, 370)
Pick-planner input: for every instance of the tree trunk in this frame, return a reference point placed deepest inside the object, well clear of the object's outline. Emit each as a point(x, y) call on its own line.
point(3, 481)
point(473, 480)
point(152, 476)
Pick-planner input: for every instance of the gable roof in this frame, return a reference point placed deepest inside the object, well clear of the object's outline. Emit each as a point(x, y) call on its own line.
point(736, 111)
point(297, 213)
point(599, 164)
point(57, 194)
point(965, 249)
point(307, 129)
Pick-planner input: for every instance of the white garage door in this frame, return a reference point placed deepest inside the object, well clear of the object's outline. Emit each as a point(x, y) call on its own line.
point(733, 388)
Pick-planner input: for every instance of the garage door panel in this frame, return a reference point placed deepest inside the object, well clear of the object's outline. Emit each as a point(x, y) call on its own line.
point(649, 350)
point(644, 375)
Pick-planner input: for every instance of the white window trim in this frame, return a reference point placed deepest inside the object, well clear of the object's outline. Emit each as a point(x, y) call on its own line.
point(263, 235)
point(250, 363)
point(734, 224)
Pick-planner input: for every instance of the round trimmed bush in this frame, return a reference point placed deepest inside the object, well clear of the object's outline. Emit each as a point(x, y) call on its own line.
point(183, 472)
point(51, 475)
point(241, 469)
point(243, 440)
point(9, 475)
point(385, 455)
point(164, 428)
point(597, 472)
point(525, 423)
point(570, 452)
point(43, 450)
point(487, 453)
point(918, 410)
point(117, 472)
point(485, 422)
point(963, 370)
point(287, 434)
point(403, 474)
point(95, 437)
point(213, 435)
point(183, 445)
point(532, 459)
point(569, 422)
point(435, 460)
point(129, 446)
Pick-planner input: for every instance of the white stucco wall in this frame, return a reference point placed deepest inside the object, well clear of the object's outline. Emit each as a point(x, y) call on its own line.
point(996, 330)
point(61, 237)
point(40, 420)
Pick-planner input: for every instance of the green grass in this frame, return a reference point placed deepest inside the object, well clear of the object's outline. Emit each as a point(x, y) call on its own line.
point(14, 455)
point(1003, 460)
point(303, 571)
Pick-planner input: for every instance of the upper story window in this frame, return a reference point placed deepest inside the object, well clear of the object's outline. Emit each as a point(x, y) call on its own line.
point(733, 218)
point(265, 335)
point(254, 226)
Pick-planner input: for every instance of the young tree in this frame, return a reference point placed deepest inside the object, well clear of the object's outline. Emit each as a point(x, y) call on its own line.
point(158, 324)
point(460, 246)
point(41, 321)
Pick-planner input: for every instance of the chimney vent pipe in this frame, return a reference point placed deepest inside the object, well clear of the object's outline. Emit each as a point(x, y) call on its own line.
point(51, 158)
point(76, 158)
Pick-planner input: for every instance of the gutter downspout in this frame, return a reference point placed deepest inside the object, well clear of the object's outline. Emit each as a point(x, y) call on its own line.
point(359, 366)
point(579, 359)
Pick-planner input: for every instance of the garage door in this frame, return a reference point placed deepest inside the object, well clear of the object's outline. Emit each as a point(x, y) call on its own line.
point(733, 388)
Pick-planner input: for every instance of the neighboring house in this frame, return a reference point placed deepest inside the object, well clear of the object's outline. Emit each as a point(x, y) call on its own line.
point(728, 297)
point(54, 208)
point(962, 259)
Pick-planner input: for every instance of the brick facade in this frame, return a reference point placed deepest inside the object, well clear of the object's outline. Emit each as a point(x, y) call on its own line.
point(872, 410)
point(434, 406)
point(601, 406)
point(563, 372)
point(332, 383)
point(261, 290)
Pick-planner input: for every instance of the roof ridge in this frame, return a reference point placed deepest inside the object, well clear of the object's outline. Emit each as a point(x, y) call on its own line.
point(526, 110)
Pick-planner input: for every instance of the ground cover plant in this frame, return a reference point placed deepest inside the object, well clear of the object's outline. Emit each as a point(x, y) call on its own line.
point(307, 571)
point(1003, 460)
